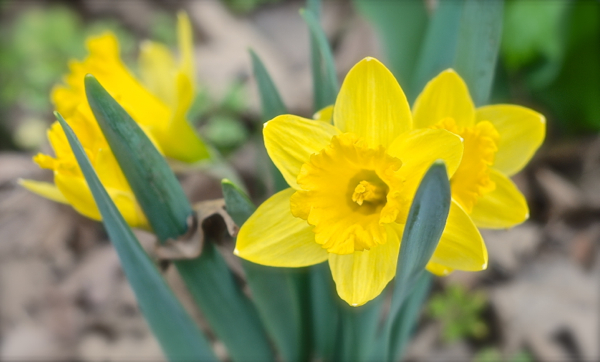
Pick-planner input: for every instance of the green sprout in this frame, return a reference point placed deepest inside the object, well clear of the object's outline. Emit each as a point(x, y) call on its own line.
point(459, 311)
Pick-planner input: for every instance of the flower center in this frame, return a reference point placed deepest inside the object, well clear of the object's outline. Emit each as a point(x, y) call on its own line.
point(370, 192)
point(348, 192)
point(472, 178)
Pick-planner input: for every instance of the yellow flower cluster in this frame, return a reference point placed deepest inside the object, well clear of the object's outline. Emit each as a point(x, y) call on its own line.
point(158, 103)
point(352, 182)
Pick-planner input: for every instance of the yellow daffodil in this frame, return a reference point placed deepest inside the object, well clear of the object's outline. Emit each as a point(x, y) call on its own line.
point(159, 104)
point(351, 186)
point(499, 140)
point(159, 108)
point(70, 186)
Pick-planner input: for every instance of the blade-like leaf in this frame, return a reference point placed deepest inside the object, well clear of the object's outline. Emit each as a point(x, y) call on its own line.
point(179, 337)
point(439, 46)
point(325, 82)
point(276, 297)
point(478, 43)
point(228, 310)
point(424, 226)
point(238, 205)
point(406, 321)
point(358, 330)
point(271, 103)
point(155, 186)
point(401, 26)
point(272, 106)
point(325, 314)
point(274, 290)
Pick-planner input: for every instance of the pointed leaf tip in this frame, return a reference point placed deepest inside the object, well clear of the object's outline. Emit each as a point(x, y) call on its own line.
point(155, 186)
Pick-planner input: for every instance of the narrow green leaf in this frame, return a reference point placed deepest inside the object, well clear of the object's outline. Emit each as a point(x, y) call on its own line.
point(401, 26)
point(155, 186)
point(358, 330)
point(238, 205)
point(405, 323)
point(272, 106)
point(271, 103)
point(325, 82)
point(276, 297)
point(179, 337)
point(424, 226)
point(274, 290)
point(439, 46)
point(325, 314)
point(478, 43)
point(228, 310)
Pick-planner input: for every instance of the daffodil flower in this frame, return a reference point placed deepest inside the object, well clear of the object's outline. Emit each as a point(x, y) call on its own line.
point(159, 108)
point(159, 103)
point(351, 186)
point(499, 140)
point(70, 186)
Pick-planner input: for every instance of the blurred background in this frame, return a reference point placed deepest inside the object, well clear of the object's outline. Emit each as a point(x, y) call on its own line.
point(62, 293)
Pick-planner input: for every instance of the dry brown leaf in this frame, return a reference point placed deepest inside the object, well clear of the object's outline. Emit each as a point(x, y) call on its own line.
point(189, 246)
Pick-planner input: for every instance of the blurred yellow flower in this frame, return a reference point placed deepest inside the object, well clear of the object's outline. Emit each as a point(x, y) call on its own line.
point(159, 108)
point(70, 186)
point(159, 104)
point(352, 184)
point(499, 140)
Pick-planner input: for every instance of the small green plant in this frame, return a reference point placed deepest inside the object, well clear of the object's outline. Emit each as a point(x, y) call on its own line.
point(459, 311)
point(492, 354)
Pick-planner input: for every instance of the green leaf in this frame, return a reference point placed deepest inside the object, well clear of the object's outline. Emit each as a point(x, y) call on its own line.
point(274, 290)
point(277, 298)
point(272, 106)
point(325, 82)
point(358, 330)
point(424, 226)
point(228, 310)
point(155, 186)
point(401, 26)
point(405, 324)
point(439, 46)
point(478, 44)
point(325, 314)
point(270, 100)
point(179, 337)
point(238, 205)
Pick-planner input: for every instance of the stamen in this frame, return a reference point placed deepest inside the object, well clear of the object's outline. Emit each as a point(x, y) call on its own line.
point(369, 192)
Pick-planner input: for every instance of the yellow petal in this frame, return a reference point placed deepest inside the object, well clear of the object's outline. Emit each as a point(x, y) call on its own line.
point(419, 148)
point(521, 130)
point(157, 68)
point(438, 269)
point(502, 208)
point(290, 140)
point(444, 96)
point(45, 161)
point(461, 245)
point(324, 115)
point(78, 194)
point(180, 140)
point(361, 276)
point(76, 191)
point(45, 189)
point(186, 45)
point(372, 105)
point(272, 236)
